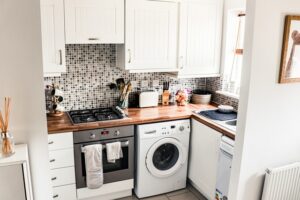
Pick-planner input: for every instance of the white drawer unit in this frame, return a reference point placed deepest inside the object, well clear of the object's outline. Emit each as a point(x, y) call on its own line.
point(60, 141)
point(66, 192)
point(63, 176)
point(61, 155)
point(61, 158)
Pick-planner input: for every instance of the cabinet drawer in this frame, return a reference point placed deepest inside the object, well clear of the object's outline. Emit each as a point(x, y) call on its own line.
point(61, 158)
point(67, 192)
point(60, 141)
point(63, 176)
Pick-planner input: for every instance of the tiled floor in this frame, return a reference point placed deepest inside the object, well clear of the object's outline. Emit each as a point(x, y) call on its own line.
point(188, 193)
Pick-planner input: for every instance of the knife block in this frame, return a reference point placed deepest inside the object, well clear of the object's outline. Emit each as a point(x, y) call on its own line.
point(165, 98)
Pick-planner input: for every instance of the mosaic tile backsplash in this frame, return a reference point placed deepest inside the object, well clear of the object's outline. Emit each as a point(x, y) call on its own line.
point(215, 84)
point(91, 68)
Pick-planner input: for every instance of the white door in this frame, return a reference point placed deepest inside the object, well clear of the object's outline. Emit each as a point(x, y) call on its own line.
point(53, 36)
point(151, 35)
point(94, 21)
point(200, 37)
point(203, 162)
point(166, 157)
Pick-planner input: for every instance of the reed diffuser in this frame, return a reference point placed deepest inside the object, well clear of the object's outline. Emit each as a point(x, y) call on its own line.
point(7, 139)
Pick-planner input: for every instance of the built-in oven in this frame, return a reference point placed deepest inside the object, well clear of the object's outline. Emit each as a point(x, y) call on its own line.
point(122, 169)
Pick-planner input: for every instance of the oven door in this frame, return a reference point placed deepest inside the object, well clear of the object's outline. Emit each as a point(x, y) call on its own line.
point(121, 170)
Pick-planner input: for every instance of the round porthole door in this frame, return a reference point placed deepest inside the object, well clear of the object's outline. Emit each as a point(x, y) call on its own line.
point(165, 157)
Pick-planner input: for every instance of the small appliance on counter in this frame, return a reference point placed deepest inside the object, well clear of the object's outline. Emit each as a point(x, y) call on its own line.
point(148, 98)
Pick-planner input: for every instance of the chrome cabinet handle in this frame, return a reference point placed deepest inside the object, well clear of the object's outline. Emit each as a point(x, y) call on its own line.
point(93, 38)
point(55, 196)
point(129, 55)
point(53, 178)
point(52, 160)
point(60, 57)
point(50, 142)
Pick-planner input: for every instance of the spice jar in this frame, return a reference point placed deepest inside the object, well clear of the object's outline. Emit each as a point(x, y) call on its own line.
point(8, 144)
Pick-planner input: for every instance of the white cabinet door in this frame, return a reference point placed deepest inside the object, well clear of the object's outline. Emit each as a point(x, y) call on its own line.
point(94, 21)
point(12, 183)
point(204, 154)
point(200, 38)
point(53, 36)
point(66, 192)
point(151, 35)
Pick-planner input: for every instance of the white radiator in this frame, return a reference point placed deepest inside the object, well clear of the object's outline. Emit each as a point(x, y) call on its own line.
point(282, 183)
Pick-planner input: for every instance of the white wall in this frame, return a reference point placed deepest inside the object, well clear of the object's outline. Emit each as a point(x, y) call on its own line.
point(21, 78)
point(268, 127)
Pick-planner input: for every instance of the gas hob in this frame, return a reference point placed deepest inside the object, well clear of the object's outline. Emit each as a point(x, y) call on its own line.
point(95, 115)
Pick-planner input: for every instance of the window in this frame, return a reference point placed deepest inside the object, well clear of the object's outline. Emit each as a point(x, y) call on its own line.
point(233, 52)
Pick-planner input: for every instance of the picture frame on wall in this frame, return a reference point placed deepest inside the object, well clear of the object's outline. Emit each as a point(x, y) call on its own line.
point(290, 58)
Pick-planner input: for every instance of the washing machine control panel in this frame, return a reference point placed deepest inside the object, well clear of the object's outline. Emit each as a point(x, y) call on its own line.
point(164, 128)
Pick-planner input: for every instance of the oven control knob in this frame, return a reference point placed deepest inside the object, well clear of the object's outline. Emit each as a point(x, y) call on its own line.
point(92, 136)
point(117, 133)
point(181, 128)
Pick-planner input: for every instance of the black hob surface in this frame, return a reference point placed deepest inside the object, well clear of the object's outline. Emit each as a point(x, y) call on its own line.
point(94, 115)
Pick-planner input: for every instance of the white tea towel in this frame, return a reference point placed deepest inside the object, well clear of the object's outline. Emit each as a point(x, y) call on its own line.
point(114, 151)
point(93, 165)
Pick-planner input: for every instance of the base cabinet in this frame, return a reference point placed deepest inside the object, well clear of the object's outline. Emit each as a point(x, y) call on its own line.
point(204, 154)
point(62, 166)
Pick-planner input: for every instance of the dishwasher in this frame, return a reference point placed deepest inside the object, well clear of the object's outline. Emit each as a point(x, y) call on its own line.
point(224, 168)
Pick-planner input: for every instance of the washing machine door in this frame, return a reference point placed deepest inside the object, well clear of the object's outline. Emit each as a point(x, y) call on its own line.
point(166, 157)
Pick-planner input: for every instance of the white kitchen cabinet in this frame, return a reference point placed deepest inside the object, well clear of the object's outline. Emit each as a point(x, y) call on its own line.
point(200, 38)
point(204, 154)
point(94, 21)
point(151, 41)
point(61, 155)
point(53, 37)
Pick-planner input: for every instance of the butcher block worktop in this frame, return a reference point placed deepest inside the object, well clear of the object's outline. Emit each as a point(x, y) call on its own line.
point(140, 116)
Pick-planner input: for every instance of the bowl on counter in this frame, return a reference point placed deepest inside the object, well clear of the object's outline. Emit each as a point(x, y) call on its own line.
point(201, 97)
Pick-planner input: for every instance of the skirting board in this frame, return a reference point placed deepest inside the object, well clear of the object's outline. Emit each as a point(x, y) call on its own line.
point(107, 191)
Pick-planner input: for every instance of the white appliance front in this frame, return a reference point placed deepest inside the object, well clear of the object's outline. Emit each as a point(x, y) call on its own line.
point(162, 155)
point(224, 168)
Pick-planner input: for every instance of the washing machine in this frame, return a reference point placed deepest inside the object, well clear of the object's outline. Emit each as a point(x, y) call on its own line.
point(161, 157)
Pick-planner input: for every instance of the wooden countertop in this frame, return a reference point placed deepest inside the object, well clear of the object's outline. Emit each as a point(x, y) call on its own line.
point(140, 116)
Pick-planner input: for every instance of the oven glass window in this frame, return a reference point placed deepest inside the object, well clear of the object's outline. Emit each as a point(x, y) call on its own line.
point(120, 164)
point(165, 156)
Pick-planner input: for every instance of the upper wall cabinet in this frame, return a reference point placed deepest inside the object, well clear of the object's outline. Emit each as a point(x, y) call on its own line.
point(151, 41)
point(94, 21)
point(200, 38)
point(53, 37)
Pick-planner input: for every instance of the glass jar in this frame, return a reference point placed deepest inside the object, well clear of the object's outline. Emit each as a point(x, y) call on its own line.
point(8, 144)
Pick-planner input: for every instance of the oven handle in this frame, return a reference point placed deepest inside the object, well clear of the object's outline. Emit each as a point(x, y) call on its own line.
point(123, 144)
